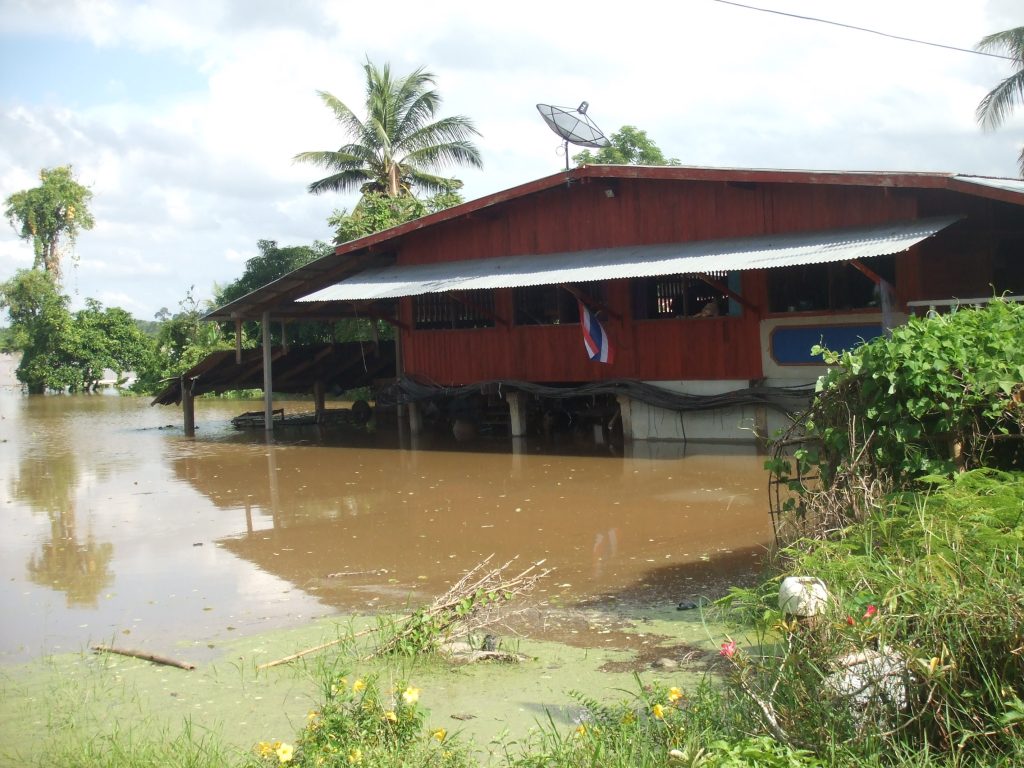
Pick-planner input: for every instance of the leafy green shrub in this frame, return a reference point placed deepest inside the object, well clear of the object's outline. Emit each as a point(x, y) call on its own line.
point(934, 397)
point(942, 394)
point(932, 579)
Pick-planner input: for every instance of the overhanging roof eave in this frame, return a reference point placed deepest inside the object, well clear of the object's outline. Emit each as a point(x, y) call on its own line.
point(762, 252)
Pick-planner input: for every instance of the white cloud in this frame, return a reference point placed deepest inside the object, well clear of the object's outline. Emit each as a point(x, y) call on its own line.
point(187, 181)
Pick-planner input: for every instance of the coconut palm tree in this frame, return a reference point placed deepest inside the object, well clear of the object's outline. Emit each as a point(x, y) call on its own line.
point(398, 143)
point(1001, 100)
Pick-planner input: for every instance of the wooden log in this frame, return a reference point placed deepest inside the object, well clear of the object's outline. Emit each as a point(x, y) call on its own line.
point(156, 658)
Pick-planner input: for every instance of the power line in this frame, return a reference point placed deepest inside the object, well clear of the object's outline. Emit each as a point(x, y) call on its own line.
point(865, 29)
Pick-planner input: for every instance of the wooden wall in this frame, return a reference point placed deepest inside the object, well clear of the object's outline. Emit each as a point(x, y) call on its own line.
point(584, 217)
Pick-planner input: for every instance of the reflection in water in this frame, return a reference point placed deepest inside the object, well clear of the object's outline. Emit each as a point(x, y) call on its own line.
point(369, 526)
point(128, 528)
point(79, 569)
point(46, 483)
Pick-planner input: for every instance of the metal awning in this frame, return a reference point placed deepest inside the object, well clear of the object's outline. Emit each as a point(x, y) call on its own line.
point(763, 252)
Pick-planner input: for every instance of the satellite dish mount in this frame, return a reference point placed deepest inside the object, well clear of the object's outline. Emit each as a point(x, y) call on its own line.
point(573, 126)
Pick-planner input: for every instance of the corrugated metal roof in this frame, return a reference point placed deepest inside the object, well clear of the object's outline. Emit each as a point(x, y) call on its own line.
point(1010, 185)
point(762, 252)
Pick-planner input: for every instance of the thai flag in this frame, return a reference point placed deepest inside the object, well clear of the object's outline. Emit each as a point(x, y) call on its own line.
point(595, 340)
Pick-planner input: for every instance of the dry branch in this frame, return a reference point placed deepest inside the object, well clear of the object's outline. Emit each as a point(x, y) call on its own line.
point(156, 658)
point(471, 603)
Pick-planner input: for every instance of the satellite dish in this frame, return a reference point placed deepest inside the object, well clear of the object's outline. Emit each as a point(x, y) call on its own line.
point(573, 126)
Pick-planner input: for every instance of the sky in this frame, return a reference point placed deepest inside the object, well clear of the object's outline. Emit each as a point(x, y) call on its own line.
point(183, 116)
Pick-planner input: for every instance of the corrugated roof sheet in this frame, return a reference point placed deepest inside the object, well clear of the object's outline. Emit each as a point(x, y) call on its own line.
point(636, 261)
point(1010, 185)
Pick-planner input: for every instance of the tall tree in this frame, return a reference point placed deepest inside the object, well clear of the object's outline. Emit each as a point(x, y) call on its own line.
point(629, 146)
point(398, 144)
point(43, 331)
point(61, 350)
point(50, 216)
point(1000, 102)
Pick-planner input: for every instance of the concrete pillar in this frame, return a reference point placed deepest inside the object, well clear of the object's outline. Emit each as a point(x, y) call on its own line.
point(415, 419)
point(517, 413)
point(761, 435)
point(626, 414)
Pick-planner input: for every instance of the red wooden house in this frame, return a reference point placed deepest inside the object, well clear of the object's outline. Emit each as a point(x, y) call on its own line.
point(706, 281)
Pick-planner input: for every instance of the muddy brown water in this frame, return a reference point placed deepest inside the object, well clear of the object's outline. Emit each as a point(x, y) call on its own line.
point(117, 527)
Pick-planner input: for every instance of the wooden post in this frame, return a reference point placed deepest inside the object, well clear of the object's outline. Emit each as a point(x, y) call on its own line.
point(188, 407)
point(268, 379)
point(238, 341)
point(284, 337)
point(400, 410)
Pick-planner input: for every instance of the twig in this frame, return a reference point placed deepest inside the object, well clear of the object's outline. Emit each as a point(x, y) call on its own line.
point(445, 607)
point(156, 658)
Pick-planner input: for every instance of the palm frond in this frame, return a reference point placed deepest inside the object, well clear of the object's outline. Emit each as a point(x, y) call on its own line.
point(1009, 42)
point(430, 183)
point(345, 181)
point(329, 159)
point(998, 103)
point(348, 119)
point(441, 155)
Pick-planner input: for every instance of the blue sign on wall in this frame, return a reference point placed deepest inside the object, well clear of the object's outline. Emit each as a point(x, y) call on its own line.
point(791, 344)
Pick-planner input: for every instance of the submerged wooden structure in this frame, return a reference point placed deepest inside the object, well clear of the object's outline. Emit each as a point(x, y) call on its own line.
point(317, 369)
point(707, 281)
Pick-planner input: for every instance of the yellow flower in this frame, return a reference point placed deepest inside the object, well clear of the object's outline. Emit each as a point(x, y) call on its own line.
point(284, 753)
point(411, 695)
point(264, 749)
point(312, 714)
point(439, 734)
point(658, 712)
point(390, 716)
point(355, 756)
point(674, 695)
point(358, 685)
point(581, 730)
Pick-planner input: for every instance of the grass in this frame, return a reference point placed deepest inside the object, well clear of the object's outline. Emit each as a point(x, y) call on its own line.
point(932, 580)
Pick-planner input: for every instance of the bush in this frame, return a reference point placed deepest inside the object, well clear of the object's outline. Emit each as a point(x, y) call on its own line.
point(359, 726)
point(933, 580)
point(942, 394)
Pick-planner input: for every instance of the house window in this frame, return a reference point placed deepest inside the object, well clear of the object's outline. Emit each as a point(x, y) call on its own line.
point(463, 309)
point(553, 304)
point(830, 287)
point(685, 296)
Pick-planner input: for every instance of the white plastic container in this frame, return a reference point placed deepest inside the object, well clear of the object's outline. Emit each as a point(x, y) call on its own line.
point(803, 596)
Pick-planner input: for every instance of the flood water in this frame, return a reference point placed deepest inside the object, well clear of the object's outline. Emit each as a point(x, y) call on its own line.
point(117, 527)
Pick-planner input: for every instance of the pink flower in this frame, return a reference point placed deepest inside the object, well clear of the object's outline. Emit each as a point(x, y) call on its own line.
point(849, 620)
point(728, 649)
point(870, 612)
